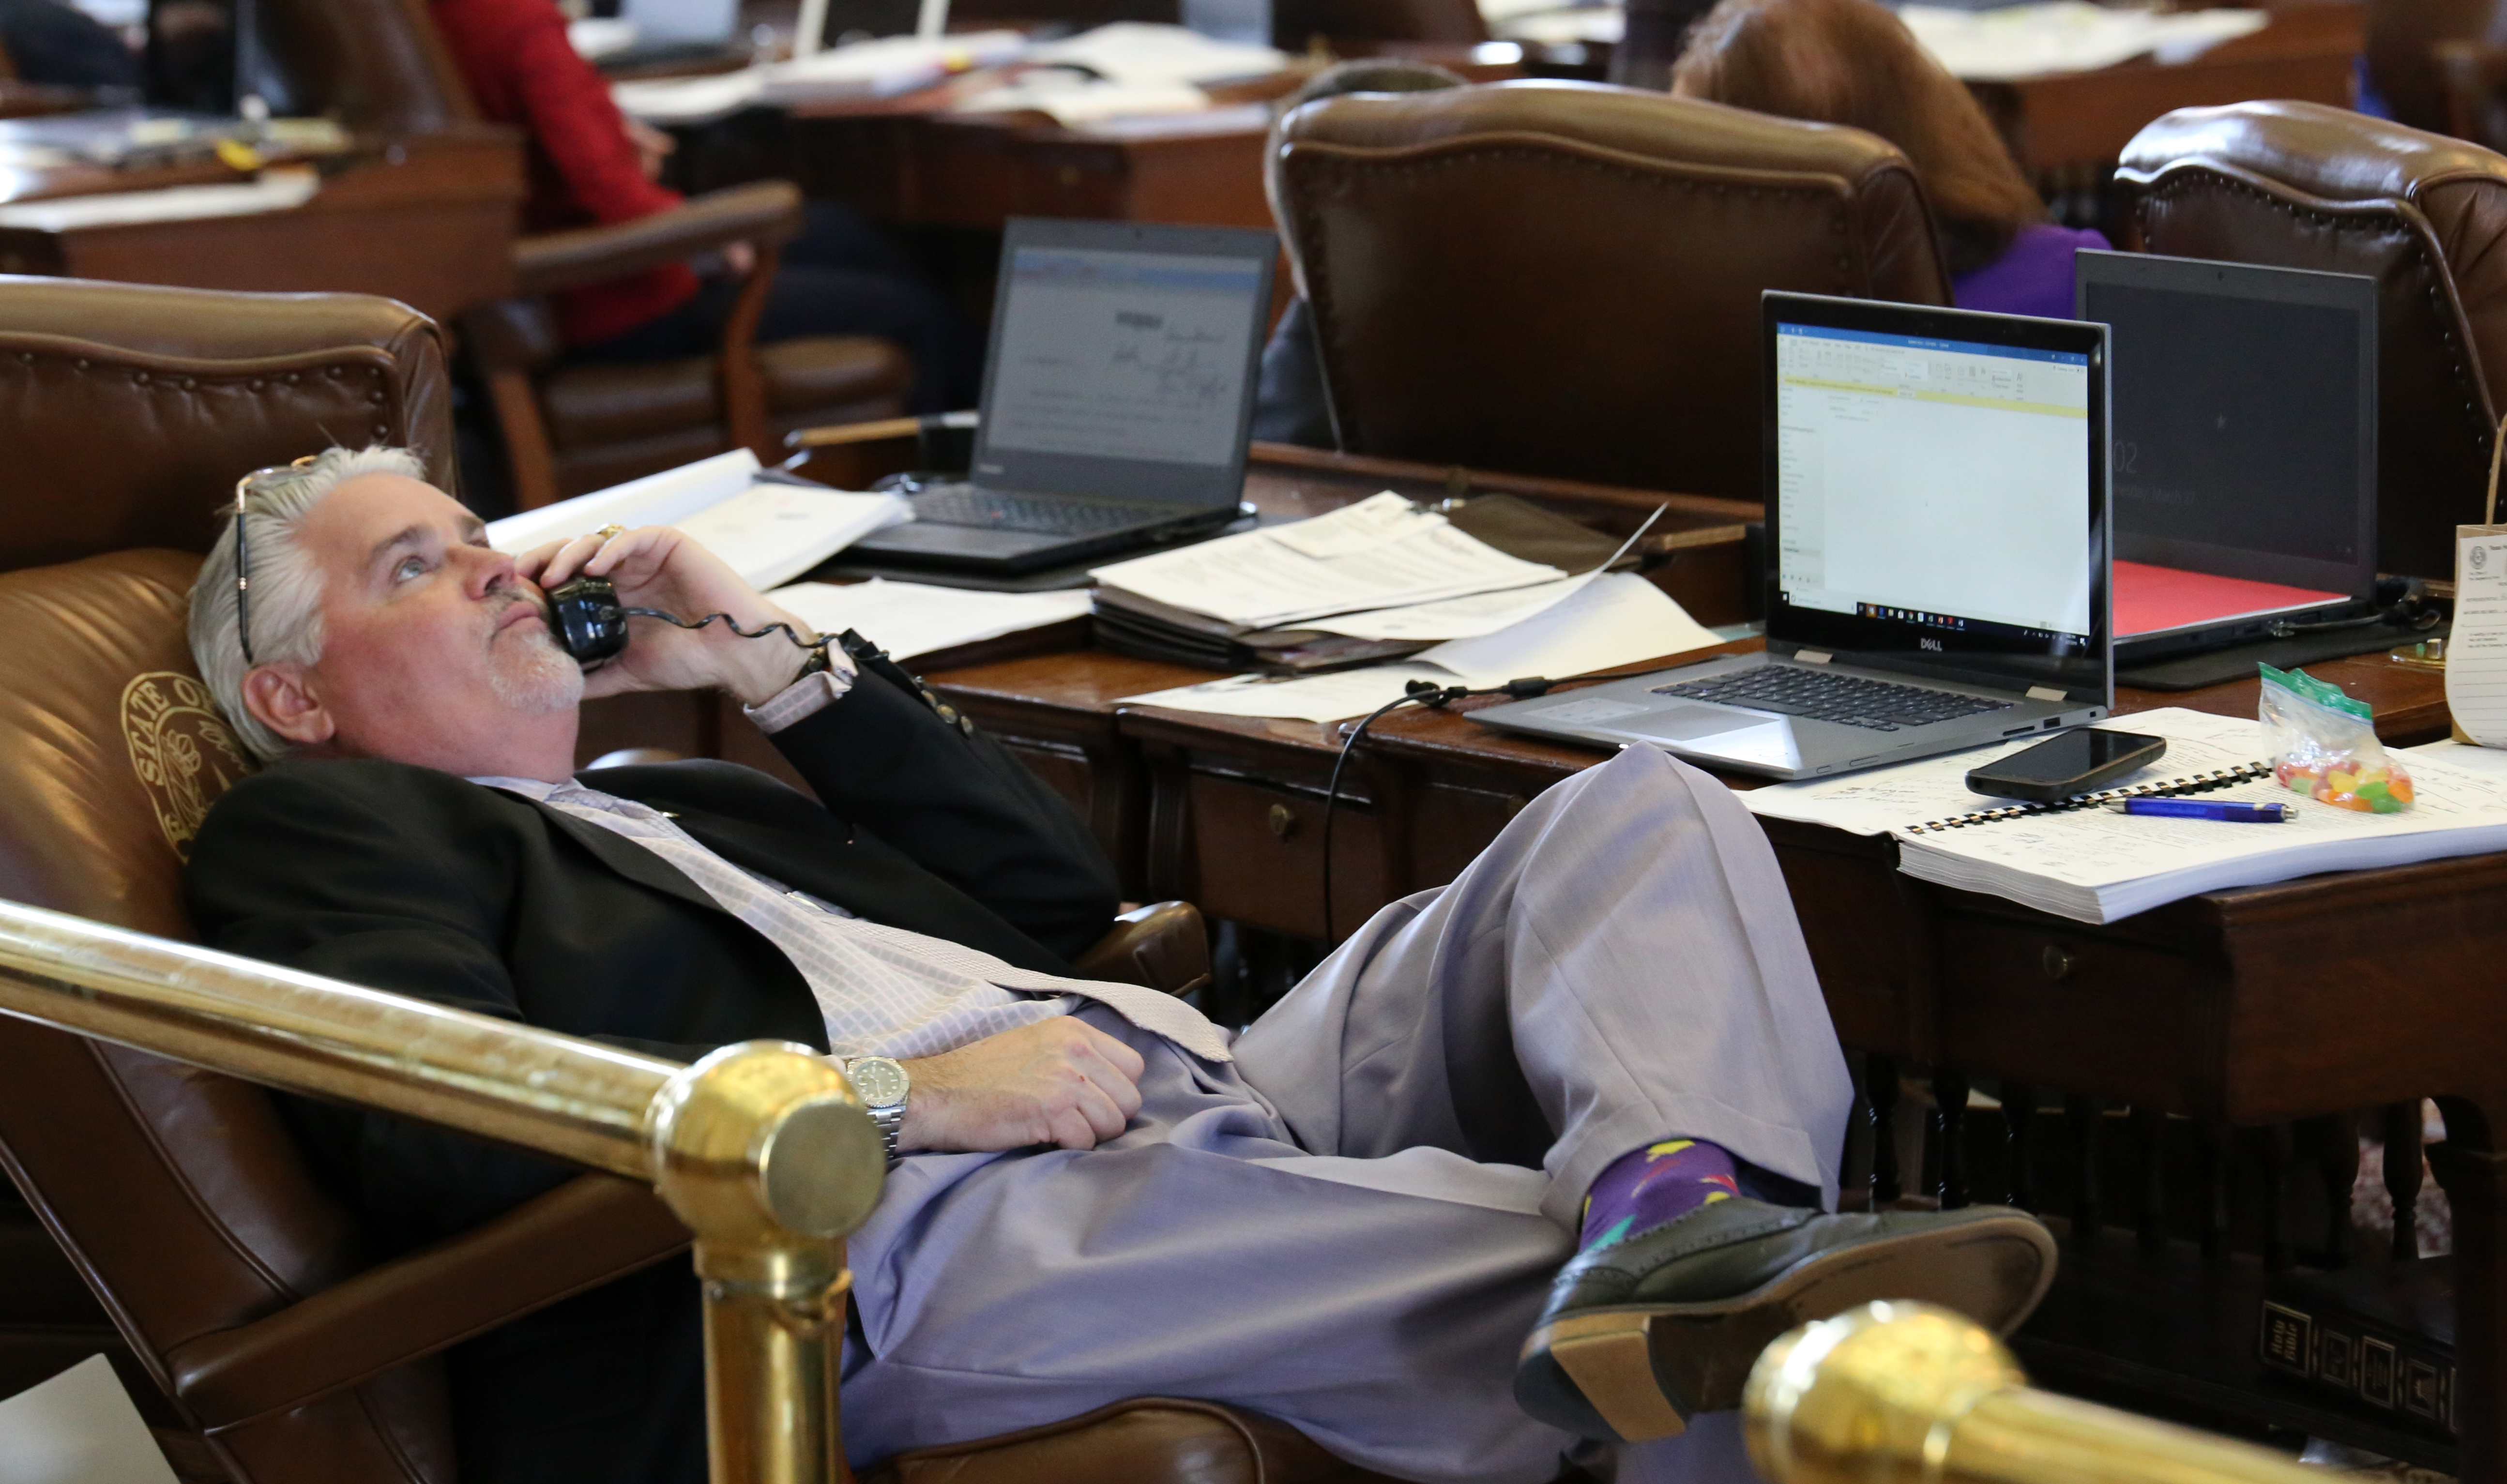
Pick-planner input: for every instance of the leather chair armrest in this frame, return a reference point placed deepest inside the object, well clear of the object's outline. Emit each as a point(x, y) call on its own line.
point(766, 212)
point(1163, 946)
point(579, 1236)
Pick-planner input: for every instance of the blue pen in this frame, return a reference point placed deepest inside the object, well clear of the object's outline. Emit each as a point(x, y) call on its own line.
point(2204, 808)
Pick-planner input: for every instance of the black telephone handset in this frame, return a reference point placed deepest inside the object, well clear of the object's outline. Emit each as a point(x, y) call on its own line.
point(591, 625)
point(585, 617)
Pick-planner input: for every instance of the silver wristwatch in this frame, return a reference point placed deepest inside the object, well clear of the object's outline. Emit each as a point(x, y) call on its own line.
point(882, 1085)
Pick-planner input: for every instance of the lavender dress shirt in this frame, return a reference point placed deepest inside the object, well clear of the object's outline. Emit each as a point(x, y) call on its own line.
point(2032, 277)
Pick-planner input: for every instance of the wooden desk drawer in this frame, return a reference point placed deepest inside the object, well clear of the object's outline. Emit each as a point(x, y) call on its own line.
point(1255, 854)
point(2079, 1011)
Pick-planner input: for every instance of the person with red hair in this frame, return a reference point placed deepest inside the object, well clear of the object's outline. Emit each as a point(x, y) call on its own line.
point(1854, 62)
point(589, 164)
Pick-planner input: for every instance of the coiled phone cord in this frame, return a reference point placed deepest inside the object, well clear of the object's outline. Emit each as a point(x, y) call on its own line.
point(732, 624)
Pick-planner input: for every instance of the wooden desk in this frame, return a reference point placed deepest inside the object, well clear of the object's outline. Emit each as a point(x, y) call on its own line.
point(2244, 1009)
point(2085, 118)
point(428, 220)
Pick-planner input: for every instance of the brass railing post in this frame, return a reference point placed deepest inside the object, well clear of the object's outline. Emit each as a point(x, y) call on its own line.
point(1898, 1393)
point(761, 1150)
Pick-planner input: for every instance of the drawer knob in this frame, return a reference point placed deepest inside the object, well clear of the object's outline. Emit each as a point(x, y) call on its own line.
point(1282, 822)
point(2060, 961)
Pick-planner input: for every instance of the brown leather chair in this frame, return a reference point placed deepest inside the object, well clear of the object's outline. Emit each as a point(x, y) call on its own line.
point(381, 68)
point(1563, 279)
point(283, 1354)
point(571, 428)
point(2301, 185)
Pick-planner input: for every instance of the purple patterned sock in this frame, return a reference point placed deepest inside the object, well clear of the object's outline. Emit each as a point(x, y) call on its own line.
point(1645, 1187)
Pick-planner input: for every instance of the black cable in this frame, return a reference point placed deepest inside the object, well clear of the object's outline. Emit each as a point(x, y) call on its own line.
point(1420, 693)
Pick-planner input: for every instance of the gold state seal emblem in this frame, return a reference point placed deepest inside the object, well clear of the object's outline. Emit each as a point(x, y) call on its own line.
point(181, 750)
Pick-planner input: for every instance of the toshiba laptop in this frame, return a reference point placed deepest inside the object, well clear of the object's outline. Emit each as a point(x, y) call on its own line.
point(1118, 395)
point(1937, 504)
point(2245, 447)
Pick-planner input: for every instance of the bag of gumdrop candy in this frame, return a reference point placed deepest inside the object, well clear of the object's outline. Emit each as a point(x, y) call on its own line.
point(2324, 745)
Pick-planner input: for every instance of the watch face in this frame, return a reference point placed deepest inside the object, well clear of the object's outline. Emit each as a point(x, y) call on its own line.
point(878, 1081)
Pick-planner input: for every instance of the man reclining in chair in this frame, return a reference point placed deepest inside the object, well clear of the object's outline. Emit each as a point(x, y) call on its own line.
point(1538, 1156)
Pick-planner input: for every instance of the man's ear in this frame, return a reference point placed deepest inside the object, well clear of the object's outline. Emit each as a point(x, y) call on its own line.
point(285, 698)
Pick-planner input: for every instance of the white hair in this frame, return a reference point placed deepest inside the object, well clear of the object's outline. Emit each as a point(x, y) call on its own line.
point(286, 593)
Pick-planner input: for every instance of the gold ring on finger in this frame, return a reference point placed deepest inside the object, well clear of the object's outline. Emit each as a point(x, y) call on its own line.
point(607, 531)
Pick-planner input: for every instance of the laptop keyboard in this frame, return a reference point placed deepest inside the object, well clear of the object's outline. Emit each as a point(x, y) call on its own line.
point(1059, 516)
point(1793, 690)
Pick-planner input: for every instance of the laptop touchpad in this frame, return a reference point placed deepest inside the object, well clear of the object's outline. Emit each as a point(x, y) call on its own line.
point(1687, 723)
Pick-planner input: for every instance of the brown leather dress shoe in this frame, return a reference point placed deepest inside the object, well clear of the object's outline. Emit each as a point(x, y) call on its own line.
point(1646, 1332)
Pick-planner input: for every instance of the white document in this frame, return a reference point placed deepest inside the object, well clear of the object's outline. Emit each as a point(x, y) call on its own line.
point(275, 191)
point(912, 619)
point(1455, 618)
point(79, 1427)
point(1620, 620)
point(656, 499)
point(2095, 866)
point(1383, 556)
point(769, 532)
point(880, 68)
point(689, 99)
point(1607, 25)
point(2476, 655)
point(773, 533)
point(1071, 100)
point(2019, 41)
point(1144, 51)
point(1881, 800)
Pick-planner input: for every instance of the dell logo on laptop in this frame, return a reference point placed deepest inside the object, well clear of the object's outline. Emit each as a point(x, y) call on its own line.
point(1934, 645)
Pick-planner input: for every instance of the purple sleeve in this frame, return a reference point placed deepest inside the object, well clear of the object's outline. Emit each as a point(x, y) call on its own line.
point(2033, 276)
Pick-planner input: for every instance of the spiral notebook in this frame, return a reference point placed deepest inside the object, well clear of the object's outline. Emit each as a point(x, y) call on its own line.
point(2093, 866)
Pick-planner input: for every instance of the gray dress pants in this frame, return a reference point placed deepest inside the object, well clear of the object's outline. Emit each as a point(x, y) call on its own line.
point(1354, 1225)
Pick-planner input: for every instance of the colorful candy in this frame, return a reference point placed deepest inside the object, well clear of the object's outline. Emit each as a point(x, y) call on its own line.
point(2346, 782)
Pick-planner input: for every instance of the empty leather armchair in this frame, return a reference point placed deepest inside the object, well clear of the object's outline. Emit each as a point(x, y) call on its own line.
point(571, 428)
point(2301, 185)
point(1564, 278)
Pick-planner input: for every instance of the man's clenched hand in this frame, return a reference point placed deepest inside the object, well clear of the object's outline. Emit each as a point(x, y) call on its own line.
point(1056, 1082)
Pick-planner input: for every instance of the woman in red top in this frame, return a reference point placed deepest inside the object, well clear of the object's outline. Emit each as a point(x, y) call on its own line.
point(590, 163)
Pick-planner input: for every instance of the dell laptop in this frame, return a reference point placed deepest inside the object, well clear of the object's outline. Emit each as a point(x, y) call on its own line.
point(1118, 395)
point(1937, 506)
point(2245, 447)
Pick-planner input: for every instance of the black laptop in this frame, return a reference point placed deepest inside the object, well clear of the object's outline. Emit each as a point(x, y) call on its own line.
point(2245, 447)
point(1118, 393)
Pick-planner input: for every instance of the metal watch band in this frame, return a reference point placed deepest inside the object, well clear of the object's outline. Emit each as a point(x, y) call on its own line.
point(889, 1121)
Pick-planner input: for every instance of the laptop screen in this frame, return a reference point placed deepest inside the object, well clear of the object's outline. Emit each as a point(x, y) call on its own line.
point(2245, 435)
point(1123, 360)
point(1936, 495)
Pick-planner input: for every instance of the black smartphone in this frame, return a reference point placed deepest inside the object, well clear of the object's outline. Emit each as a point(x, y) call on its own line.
point(2074, 762)
point(585, 616)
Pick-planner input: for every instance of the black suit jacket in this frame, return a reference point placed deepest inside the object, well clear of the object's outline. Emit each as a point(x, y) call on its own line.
point(414, 881)
point(406, 879)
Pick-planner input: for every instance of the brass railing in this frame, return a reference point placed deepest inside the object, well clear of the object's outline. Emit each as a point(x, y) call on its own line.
point(762, 1149)
point(1898, 1393)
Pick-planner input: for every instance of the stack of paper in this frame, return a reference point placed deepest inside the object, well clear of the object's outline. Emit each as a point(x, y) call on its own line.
point(1139, 52)
point(769, 530)
point(1074, 102)
point(1379, 553)
point(913, 619)
point(880, 69)
point(1616, 620)
point(275, 191)
point(2093, 865)
point(2018, 41)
